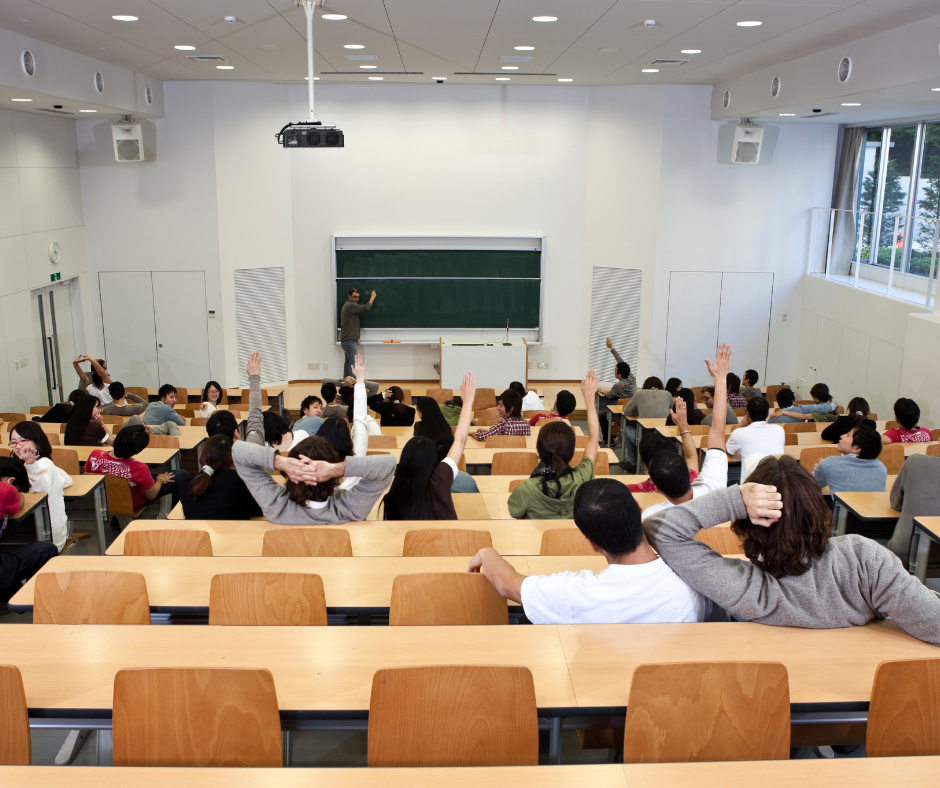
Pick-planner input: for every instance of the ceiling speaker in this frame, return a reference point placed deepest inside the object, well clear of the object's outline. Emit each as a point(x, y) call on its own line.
point(128, 141)
point(747, 140)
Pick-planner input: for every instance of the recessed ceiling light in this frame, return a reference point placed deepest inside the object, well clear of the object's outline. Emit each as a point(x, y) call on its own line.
point(20, 99)
point(650, 70)
point(610, 49)
point(750, 23)
point(25, 19)
point(314, 79)
point(936, 90)
point(544, 18)
point(184, 48)
point(851, 104)
point(268, 46)
point(376, 79)
point(354, 46)
point(368, 66)
point(88, 110)
point(502, 79)
point(523, 49)
point(124, 18)
point(510, 68)
point(787, 114)
point(566, 80)
point(691, 51)
point(334, 17)
point(440, 79)
point(225, 68)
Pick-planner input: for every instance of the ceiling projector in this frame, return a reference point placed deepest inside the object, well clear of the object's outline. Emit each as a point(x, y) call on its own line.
point(310, 135)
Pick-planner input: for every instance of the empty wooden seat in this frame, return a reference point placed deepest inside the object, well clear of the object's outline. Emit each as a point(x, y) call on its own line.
point(168, 542)
point(186, 413)
point(65, 458)
point(312, 542)
point(264, 397)
point(708, 711)
point(15, 747)
point(515, 483)
point(182, 396)
point(790, 439)
point(514, 463)
point(889, 425)
point(506, 442)
point(601, 462)
point(267, 599)
point(565, 541)
point(118, 494)
point(55, 439)
point(198, 422)
point(383, 442)
point(803, 426)
point(90, 597)
point(933, 450)
point(140, 391)
point(935, 435)
point(904, 715)
point(12, 419)
point(431, 542)
point(484, 398)
point(721, 539)
point(892, 455)
point(581, 441)
point(453, 715)
point(487, 418)
point(440, 396)
point(39, 410)
point(196, 717)
point(445, 599)
point(811, 456)
point(112, 419)
point(163, 442)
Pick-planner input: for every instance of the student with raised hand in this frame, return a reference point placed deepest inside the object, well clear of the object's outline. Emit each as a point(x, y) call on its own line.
point(361, 424)
point(162, 411)
point(254, 432)
point(637, 587)
point(98, 385)
point(693, 414)
point(625, 387)
point(670, 473)
point(311, 415)
point(795, 575)
point(123, 403)
point(750, 384)
point(549, 493)
point(216, 492)
point(211, 399)
point(793, 414)
point(654, 442)
point(858, 469)
point(755, 438)
point(509, 408)
point(421, 489)
point(84, 427)
point(390, 405)
point(564, 406)
point(907, 414)
point(856, 415)
point(433, 426)
point(30, 444)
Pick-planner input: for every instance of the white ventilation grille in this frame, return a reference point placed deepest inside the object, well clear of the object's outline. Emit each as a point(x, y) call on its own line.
point(726, 99)
point(616, 315)
point(259, 318)
point(775, 87)
point(845, 69)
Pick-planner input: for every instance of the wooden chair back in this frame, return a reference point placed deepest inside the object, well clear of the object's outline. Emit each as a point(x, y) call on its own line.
point(267, 599)
point(790, 439)
point(889, 425)
point(805, 426)
point(484, 398)
point(515, 483)
point(453, 715)
point(528, 414)
point(433, 542)
point(721, 539)
point(892, 455)
point(112, 419)
point(406, 393)
point(140, 391)
point(770, 393)
point(182, 396)
point(186, 413)
point(168, 543)
point(740, 412)
point(14, 418)
point(374, 453)
point(514, 463)
point(811, 456)
point(313, 542)
point(933, 450)
point(565, 541)
point(5, 452)
point(487, 418)
point(120, 501)
point(15, 746)
point(197, 422)
point(264, 397)
point(696, 392)
point(506, 442)
point(55, 438)
point(581, 441)
point(902, 717)
point(708, 711)
point(239, 407)
point(90, 597)
point(445, 599)
point(66, 459)
point(163, 442)
point(196, 717)
point(601, 462)
point(873, 416)
point(383, 442)
point(440, 396)
point(935, 435)
point(40, 410)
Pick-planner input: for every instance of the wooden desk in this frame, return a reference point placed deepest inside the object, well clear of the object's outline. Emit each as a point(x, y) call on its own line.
point(36, 505)
point(909, 448)
point(499, 484)
point(352, 585)
point(408, 432)
point(527, 534)
point(152, 457)
point(866, 506)
point(91, 484)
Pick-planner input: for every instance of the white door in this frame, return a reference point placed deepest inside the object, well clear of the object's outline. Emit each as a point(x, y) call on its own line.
point(55, 336)
point(744, 319)
point(692, 325)
point(130, 334)
point(181, 317)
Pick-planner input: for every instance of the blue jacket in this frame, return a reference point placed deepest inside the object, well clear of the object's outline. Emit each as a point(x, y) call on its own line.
point(818, 407)
point(160, 413)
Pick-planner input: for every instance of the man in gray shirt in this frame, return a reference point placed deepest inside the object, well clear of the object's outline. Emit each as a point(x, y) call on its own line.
point(349, 328)
point(914, 494)
point(708, 398)
point(858, 469)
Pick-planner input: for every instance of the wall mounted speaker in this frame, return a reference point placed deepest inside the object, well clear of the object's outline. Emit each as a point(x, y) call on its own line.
point(128, 141)
point(746, 147)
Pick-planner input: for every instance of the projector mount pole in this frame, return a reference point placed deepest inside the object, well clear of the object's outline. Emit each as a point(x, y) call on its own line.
point(309, 7)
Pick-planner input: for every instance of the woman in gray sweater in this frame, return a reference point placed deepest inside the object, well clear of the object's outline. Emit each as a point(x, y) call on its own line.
point(796, 576)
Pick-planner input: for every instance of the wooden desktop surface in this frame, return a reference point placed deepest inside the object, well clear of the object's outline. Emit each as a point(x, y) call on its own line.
point(869, 505)
point(347, 582)
point(409, 432)
point(475, 455)
point(31, 502)
point(491, 484)
point(147, 456)
point(82, 485)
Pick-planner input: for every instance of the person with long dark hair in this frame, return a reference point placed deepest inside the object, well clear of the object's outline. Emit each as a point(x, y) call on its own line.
point(61, 411)
point(421, 489)
point(84, 427)
point(434, 426)
point(390, 405)
point(693, 414)
point(217, 491)
point(548, 494)
point(98, 385)
point(856, 415)
point(794, 575)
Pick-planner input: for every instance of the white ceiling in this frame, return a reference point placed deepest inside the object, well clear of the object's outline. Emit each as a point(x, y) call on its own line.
point(415, 40)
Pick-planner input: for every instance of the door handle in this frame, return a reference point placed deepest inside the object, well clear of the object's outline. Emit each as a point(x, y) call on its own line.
point(159, 345)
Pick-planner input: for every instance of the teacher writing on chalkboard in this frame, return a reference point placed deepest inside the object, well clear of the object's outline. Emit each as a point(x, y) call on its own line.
point(349, 328)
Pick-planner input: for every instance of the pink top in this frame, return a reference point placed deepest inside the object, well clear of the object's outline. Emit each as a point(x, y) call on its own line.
point(648, 486)
point(901, 435)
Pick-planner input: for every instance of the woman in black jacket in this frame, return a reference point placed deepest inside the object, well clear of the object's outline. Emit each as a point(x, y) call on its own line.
point(391, 407)
point(856, 415)
point(217, 491)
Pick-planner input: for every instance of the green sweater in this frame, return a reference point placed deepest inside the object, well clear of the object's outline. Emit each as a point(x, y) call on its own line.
point(529, 502)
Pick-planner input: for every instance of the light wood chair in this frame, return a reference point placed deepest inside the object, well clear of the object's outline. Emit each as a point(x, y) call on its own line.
point(581, 441)
point(892, 455)
point(112, 419)
point(453, 715)
point(565, 541)
point(163, 442)
point(514, 463)
point(40, 410)
point(55, 439)
point(902, 716)
point(484, 398)
point(196, 717)
point(433, 542)
point(601, 462)
point(445, 599)
point(933, 450)
point(528, 414)
point(383, 442)
point(267, 599)
point(14, 418)
point(374, 453)
point(440, 396)
point(264, 397)
point(487, 418)
point(696, 392)
point(197, 422)
point(5, 452)
point(238, 407)
point(66, 459)
point(182, 396)
point(721, 539)
point(515, 483)
point(140, 391)
point(90, 597)
point(187, 413)
point(889, 425)
point(120, 501)
point(506, 442)
point(708, 711)
point(790, 439)
point(811, 456)
point(168, 543)
point(770, 393)
point(15, 747)
point(312, 542)
point(806, 426)
point(406, 393)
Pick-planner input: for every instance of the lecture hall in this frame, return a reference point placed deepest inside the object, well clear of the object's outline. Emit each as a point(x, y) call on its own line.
point(508, 392)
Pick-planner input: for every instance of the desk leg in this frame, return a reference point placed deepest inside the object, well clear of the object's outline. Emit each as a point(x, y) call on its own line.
point(840, 516)
point(554, 741)
point(639, 436)
point(286, 747)
point(43, 522)
point(243, 428)
point(280, 402)
point(623, 437)
point(101, 514)
point(922, 553)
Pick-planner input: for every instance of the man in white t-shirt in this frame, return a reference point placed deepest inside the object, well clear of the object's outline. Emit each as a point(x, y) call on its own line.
point(636, 588)
point(670, 473)
point(755, 438)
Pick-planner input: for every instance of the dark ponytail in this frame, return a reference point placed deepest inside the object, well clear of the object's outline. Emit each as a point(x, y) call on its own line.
point(858, 407)
point(216, 455)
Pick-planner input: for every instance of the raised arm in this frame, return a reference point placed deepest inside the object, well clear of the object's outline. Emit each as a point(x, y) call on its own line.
point(255, 431)
point(360, 432)
point(100, 370)
point(588, 387)
point(681, 419)
point(468, 389)
point(612, 349)
point(719, 371)
point(81, 373)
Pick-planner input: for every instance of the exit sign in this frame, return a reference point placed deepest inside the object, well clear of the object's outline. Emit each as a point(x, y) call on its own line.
point(55, 277)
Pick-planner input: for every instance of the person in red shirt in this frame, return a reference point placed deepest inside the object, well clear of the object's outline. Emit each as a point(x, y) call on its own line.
point(119, 462)
point(564, 406)
point(907, 414)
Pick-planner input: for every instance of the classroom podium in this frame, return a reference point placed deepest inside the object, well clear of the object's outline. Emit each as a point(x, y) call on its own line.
point(494, 364)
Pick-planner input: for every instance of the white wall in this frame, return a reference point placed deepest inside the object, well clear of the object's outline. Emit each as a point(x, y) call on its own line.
point(40, 202)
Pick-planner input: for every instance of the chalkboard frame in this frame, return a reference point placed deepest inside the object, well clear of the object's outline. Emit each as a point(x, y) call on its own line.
point(432, 335)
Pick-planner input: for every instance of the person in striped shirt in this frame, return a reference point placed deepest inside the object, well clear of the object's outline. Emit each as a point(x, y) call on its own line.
point(510, 422)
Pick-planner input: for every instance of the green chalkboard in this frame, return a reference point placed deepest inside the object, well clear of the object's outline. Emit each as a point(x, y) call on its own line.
point(442, 288)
